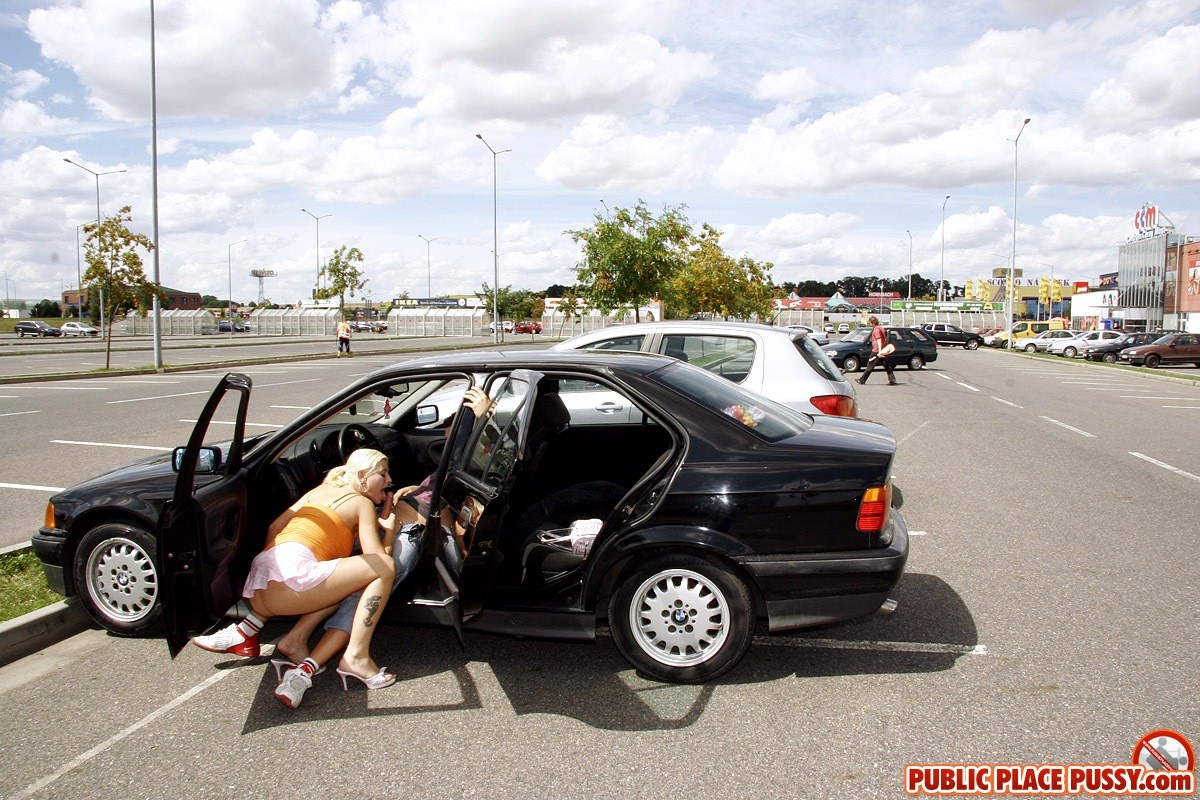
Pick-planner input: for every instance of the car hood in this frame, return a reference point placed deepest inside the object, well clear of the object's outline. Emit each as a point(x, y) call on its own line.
point(151, 475)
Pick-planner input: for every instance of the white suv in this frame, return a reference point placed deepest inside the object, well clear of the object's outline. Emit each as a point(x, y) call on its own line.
point(784, 365)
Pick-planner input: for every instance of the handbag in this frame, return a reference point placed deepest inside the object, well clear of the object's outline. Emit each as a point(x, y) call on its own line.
point(887, 350)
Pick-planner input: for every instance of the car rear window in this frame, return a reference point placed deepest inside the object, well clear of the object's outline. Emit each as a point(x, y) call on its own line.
point(626, 343)
point(812, 353)
point(731, 357)
point(764, 418)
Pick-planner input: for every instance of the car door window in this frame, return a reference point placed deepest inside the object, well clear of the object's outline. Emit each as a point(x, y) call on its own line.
point(731, 357)
point(627, 343)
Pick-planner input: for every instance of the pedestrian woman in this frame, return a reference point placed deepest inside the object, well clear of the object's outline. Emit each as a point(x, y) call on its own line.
point(307, 565)
point(343, 338)
point(881, 349)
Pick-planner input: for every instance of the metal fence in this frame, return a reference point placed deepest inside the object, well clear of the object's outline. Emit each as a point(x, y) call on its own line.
point(437, 322)
point(295, 321)
point(172, 323)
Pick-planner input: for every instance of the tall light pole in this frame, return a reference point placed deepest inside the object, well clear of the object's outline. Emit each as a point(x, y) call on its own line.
point(1012, 267)
point(942, 277)
point(7, 280)
point(909, 263)
point(78, 273)
point(428, 265)
point(318, 221)
point(97, 176)
point(495, 243)
point(229, 309)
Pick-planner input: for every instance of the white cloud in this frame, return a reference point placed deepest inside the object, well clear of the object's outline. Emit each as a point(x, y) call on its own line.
point(792, 87)
point(22, 82)
point(1160, 83)
point(21, 119)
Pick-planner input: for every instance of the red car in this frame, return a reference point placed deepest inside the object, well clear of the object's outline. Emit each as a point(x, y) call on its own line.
point(527, 327)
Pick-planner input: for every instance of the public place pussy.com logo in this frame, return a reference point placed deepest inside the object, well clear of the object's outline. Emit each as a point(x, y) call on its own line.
point(1163, 765)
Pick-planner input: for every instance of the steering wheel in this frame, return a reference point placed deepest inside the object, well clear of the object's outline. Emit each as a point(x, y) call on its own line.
point(354, 436)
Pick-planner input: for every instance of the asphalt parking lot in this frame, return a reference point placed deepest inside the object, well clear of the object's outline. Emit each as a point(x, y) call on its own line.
point(1043, 618)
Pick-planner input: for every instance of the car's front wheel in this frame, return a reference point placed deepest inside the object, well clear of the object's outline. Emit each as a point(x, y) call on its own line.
point(1152, 361)
point(1069, 352)
point(1031, 348)
point(682, 618)
point(916, 361)
point(117, 579)
point(972, 344)
point(850, 364)
point(1110, 358)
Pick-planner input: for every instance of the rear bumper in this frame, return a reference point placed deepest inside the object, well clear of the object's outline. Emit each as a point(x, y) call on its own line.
point(806, 590)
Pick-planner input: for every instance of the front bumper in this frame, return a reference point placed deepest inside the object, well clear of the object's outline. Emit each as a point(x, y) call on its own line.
point(801, 591)
point(50, 544)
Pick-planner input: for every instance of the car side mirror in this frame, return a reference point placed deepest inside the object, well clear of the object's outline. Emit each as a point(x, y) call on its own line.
point(427, 415)
point(208, 462)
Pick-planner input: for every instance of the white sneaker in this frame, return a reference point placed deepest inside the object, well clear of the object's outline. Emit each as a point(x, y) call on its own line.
point(291, 689)
point(228, 640)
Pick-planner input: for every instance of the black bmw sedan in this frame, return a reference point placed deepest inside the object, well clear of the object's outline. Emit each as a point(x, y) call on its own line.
point(611, 487)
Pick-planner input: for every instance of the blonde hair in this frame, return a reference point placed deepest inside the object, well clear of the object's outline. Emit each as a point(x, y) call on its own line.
point(361, 463)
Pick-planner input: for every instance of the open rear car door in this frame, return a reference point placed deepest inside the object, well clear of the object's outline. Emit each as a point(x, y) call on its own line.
point(467, 507)
point(203, 529)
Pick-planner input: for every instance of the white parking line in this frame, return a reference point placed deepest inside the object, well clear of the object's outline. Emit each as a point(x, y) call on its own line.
point(19, 413)
point(943, 375)
point(1158, 463)
point(288, 383)
point(294, 408)
point(895, 647)
point(83, 758)
point(57, 385)
point(1007, 403)
point(1069, 427)
point(155, 397)
point(1096, 383)
point(967, 386)
point(1181, 406)
point(224, 422)
point(113, 444)
point(1150, 397)
point(31, 487)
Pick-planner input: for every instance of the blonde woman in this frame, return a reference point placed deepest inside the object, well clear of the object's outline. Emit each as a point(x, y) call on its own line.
point(307, 568)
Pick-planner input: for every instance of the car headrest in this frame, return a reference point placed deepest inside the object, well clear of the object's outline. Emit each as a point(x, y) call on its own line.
point(549, 411)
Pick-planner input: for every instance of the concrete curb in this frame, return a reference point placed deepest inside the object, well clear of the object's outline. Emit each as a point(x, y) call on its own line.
point(39, 629)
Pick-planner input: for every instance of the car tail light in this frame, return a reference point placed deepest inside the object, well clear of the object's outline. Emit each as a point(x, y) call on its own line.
point(835, 405)
point(49, 521)
point(875, 508)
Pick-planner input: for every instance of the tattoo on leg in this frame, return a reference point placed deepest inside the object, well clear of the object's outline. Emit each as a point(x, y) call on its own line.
point(371, 604)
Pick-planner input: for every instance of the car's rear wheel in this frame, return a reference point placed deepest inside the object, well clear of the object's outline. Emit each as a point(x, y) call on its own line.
point(972, 344)
point(916, 361)
point(117, 579)
point(1110, 358)
point(682, 618)
point(1153, 361)
point(850, 364)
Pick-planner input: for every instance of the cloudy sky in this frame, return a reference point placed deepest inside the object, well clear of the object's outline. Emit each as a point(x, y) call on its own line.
point(814, 133)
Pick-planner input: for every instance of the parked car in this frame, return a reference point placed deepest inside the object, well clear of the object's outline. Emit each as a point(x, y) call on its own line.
point(1108, 351)
point(1024, 330)
point(946, 334)
point(1073, 346)
point(719, 506)
point(829, 327)
point(237, 327)
point(78, 329)
point(1041, 342)
point(35, 327)
point(843, 327)
point(527, 327)
point(784, 365)
point(368, 326)
point(819, 336)
point(914, 348)
point(1173, 348)
point(506, 326)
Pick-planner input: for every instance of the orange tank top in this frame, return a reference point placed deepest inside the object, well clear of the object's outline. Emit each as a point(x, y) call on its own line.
point(320, 529)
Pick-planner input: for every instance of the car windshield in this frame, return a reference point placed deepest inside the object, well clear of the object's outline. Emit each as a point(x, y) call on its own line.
point(765, 418)
point(858, 335)
point(1164, 339)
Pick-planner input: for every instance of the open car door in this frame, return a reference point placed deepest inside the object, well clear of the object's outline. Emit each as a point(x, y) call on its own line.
point(464, 516)
point(203, 529)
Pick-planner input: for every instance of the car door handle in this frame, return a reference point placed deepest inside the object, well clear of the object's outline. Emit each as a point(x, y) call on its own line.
point(609, 407)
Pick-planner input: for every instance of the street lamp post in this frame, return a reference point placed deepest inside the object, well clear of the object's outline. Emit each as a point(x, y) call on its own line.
point(318, 221)
point(942, 277)
point(78, 274)
point(495, 243)
point(1012, 267)
point(428, 265)
point(7, 280)
point(909, 263)
point(97, 176)
point(229, 309)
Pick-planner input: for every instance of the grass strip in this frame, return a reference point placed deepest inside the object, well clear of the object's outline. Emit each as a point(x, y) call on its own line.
point(23, 586)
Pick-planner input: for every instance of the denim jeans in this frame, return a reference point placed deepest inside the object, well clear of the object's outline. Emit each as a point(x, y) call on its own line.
point(406, 551)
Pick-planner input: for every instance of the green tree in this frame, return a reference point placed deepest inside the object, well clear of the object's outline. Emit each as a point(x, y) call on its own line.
point(344, 276)
point(712, 282)
point(631, 256)
point(512, 303)
point(570, 306)
point(210, 301)
point(46, 308)
point(115, 271)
